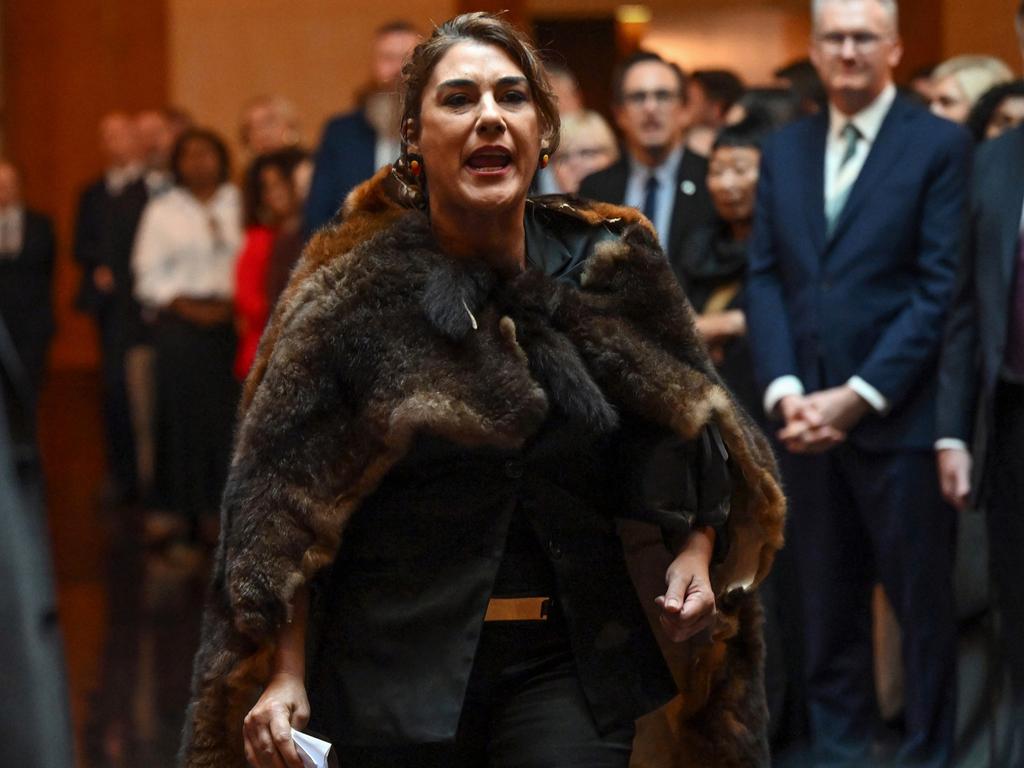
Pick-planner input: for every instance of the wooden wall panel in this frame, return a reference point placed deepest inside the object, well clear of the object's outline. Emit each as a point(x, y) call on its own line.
point(66, 63)
point(314, 52)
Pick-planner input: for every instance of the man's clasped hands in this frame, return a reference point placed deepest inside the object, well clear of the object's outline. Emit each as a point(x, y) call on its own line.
point(821, 420)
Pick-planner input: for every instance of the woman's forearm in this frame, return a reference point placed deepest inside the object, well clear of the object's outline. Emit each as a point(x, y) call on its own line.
point(699, 544)
point(290, 657)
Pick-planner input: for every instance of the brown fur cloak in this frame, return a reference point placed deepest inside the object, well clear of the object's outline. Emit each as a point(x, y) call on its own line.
point(347, 374)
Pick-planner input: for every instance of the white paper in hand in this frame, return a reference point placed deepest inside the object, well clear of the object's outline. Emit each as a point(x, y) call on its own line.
point(313, 751)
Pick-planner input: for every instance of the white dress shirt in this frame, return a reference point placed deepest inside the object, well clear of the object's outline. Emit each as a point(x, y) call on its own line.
point(839, 183)
point(187, 248)
point(12, 230)
point(666, 173)
point(117, 179)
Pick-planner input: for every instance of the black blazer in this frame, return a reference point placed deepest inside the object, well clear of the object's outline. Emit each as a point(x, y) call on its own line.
point(104, 236)
point(690, 211)
point(26, 304)
point(976, 334)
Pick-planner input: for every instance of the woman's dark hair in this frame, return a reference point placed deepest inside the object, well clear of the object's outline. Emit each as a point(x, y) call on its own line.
point(285, 161)
point(779, 106)
point(490, 30)
point(985, 108)
point(803, 78)
point(751, 132)
point(213, 140)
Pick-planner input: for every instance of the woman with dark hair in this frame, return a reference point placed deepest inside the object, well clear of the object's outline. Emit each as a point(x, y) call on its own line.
point(713, 265)
point(461, 395)
point(272, 209)
point(184, 265)
point(997, 111)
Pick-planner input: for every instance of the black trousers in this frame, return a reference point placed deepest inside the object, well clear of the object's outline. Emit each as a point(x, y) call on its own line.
point(1006, 547)
point(524, 709)
point(117, 420)
point(197, 395)
point(859, 517)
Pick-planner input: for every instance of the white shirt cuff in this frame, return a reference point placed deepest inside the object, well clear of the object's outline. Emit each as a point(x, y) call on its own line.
point(784, 386)
point(951, 444)
point(869, 394)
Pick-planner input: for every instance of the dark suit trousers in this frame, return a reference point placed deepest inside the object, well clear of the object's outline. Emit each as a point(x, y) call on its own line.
point(116, 409)
point(1006, 548)
point(861, 517)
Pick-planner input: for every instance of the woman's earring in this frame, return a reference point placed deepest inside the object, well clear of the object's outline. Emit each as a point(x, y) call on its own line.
point(415, 168)
point(545, 158)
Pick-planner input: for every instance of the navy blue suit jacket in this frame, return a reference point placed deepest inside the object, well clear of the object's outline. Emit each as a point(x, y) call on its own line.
point(977, 332)
point(344, 159)
point(870, 300)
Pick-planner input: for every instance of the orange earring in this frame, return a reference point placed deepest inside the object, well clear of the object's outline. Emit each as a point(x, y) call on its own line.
point(544, 160)
point(414, 167)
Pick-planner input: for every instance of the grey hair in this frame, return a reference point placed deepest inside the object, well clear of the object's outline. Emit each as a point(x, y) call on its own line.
point(891, 7)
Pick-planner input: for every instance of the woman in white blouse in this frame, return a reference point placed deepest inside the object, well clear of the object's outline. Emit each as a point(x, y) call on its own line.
point(184, 266)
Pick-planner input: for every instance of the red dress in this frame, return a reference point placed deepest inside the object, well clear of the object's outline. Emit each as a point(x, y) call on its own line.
point(251, 305)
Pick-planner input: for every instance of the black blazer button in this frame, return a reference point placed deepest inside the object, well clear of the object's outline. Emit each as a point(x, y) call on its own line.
point(554, 549)
point(514, 469)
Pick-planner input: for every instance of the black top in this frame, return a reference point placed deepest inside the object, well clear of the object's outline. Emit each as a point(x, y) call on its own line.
point(712, 269)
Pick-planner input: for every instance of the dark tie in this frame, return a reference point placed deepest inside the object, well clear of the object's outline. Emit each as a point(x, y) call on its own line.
point(651, 198)
point(850, 134)
point(1015, 342)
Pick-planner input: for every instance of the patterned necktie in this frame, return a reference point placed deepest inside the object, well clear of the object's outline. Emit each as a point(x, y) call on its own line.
point(843, 183)
point(851, 135)
point(651, 198)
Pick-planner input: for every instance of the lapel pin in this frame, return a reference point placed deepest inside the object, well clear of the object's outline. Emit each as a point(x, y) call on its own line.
point(688, 187)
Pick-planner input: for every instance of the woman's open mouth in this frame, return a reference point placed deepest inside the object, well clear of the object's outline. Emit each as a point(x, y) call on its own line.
point(490, 161)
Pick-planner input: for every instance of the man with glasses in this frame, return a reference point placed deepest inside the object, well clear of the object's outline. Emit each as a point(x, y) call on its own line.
point(858, 227)
point(656, 174)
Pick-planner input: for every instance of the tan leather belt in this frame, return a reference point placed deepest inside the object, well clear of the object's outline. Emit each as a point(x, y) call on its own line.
point(518, 609)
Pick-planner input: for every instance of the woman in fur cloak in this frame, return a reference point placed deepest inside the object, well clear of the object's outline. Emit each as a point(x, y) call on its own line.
point(468, 406)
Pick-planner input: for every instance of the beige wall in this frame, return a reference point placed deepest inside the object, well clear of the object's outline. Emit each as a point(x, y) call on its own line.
point(315, 52)
point(753, 42)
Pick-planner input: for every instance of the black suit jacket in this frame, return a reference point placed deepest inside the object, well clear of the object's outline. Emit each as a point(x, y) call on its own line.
point(976, 334)
point(689, 212)
point(104, 236)
point(26, 304)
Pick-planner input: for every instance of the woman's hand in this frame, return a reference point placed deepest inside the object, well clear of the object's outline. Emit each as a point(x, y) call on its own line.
point(267, 729)
point(688, 605)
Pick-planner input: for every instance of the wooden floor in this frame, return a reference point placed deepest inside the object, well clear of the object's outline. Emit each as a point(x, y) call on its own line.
point(129, 616)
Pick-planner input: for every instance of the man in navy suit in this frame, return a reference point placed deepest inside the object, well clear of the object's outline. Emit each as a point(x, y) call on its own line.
point(657, 174)
point(27, 256)
point(356, 144)
point(857, 232)
point(983, 363)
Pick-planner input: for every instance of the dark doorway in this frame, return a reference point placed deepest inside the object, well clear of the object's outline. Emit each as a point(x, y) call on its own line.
point(587, 47)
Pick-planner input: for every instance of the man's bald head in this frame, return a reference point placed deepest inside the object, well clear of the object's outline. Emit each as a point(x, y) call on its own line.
point(10, 184)
point(119, 139)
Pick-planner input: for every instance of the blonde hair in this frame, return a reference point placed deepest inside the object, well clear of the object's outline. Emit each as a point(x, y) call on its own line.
point(588, 128)
point(974, 74)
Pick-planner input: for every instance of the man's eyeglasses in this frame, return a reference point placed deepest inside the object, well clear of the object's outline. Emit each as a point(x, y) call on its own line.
point(833, 42)
point(661, 98)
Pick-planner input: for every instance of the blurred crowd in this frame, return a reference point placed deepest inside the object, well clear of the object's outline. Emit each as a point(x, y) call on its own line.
point(846, 359)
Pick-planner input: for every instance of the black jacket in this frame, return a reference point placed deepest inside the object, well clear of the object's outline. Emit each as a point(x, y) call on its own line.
point(977, 330)
point(26, 301)
point(105, 236)
point(691, 211)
